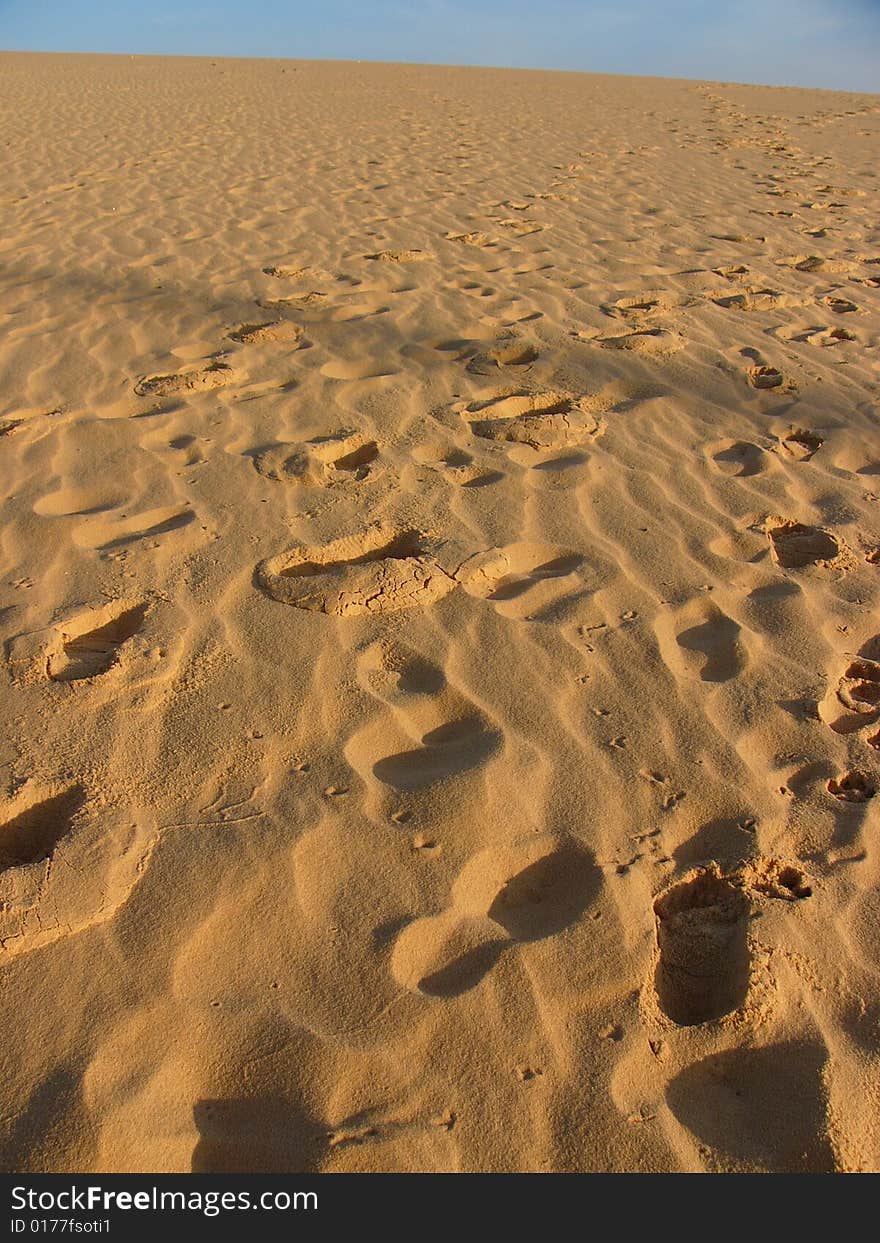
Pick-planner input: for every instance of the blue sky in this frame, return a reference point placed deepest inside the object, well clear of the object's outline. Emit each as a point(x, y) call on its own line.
point(830, 43)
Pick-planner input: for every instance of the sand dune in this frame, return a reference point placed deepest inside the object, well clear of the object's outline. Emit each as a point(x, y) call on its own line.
point(441, 558)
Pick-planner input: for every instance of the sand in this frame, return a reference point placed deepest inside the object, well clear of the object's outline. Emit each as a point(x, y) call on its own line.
point(440, 568)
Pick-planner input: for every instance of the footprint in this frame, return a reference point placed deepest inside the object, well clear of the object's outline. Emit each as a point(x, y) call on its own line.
point(840, 306)
point(392, 673)
point(634, 308)
point(852, 787)
point(801, 444)
point(290, 273)
point(77, 503)
point(472, 239)
point(61, 870)
point(267, 332)
point(345, 455)
point(446, 751)
point(89, 643)
point(641, 341)
point(189, 446)
point(399, 256)
point(216, 375)
point(764, 376)
point(739, 458)
point(502, 898)
point(31, 834)
point(547, 895)
point(107, 536)
point(854, 702)
point(802, 263)
point(774, 879)
point(794, 545)
point(508, 353)
point(757, 300)
point(540, 420)
point(459, 468)
point(702, 970)
point(446, 955)
point(263, 1135)
point(834, 336)
point(714, 645)
point(524, 579)
point(453, 736)
point(382, 570)
point(759, 1109)
point(698, 640)
point(522, 228)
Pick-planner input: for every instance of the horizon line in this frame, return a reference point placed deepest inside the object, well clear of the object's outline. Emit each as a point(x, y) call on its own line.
point(430, 64)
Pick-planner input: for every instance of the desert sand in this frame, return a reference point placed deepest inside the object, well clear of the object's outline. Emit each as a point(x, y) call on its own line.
point(440, 569)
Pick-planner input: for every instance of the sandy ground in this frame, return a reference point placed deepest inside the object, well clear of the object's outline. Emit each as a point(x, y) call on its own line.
point(440, 565)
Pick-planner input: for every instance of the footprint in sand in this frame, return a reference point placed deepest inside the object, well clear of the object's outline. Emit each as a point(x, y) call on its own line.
point(763, 376)
point(800, 443)
point(739, 458)
point(382, 570)
point(311, 304)
point(451, 734)
point(198, 380)
point(540, 420)
point(62, 870)
point(263, 1135)
point(801, 263)
point(699, 640)
point(712, 646)
point(386, 569)
point(77, 502)
point(443, 752)
point(480, 240)
point(853, 703)
point(773, 878)
point(88, 645)
point(504, 897)
point(191, 447)
point(759, 1109)
point(853, 786)
point(757, 299)
point(107, 536)
point(702, 969)
point(291, 272)
point(840, 306)
point(794, 545)
point(400, 256)
point(835, 336)
point(511, 352)
point(648, 341)
point(526, 581)
point(267, 332)
point(636, 307)
point(345, 456)
point(734, 272)
point(31, 828)
point(456, 466)
point(521, 228)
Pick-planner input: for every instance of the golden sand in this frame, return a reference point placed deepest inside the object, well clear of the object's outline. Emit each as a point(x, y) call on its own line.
point(440, 566)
